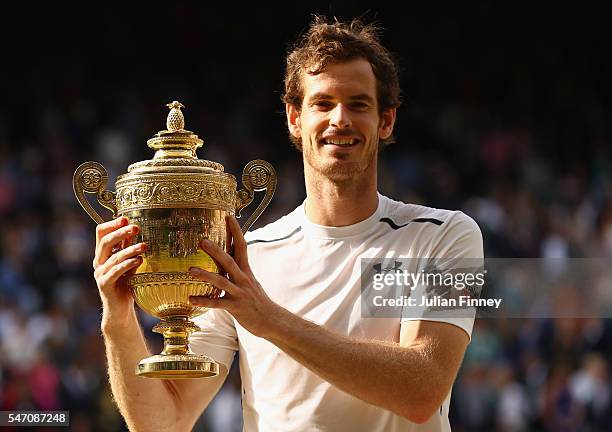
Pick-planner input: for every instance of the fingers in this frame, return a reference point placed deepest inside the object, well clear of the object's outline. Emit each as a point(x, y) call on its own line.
point(215, 279)
point(104, 248)
point(106, 227)
point(115, 272)
point(213, 303)
point(129, 252)
point(224, 260)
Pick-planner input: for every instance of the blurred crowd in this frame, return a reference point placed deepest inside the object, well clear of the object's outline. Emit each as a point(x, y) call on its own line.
point(517, 135)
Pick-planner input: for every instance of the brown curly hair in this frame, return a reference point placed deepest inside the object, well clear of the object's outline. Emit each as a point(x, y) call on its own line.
point(328, 41)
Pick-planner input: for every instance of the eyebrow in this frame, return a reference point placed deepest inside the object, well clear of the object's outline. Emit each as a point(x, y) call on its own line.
point(325, 96)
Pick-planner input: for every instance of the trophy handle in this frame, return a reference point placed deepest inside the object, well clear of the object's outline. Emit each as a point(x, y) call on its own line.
point(257, 175)
point(91, 177)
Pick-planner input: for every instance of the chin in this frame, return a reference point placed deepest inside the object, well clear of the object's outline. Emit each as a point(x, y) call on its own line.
point(342, 171)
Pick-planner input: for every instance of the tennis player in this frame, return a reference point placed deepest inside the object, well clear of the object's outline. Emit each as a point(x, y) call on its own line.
point(310, 360)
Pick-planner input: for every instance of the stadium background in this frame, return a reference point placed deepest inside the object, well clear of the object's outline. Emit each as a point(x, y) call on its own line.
point(506, 116)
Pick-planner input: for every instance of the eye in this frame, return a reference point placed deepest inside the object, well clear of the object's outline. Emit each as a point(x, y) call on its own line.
point(323, 104)
point(360, 106)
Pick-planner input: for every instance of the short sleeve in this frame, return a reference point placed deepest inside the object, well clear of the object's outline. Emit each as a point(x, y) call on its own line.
point(459, 244)
point(217, 337)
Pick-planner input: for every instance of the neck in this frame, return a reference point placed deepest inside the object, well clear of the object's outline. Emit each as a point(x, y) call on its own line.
point(340, 203)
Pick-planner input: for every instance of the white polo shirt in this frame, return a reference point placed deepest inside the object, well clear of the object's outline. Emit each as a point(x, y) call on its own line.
point(314, 272)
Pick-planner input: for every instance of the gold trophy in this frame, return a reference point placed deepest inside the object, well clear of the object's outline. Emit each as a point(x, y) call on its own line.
point(177, 200)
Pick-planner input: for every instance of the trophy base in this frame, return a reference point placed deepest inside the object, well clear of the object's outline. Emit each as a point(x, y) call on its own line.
point(177, 366)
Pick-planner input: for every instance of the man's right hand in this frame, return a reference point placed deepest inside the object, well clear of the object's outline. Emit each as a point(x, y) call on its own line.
point(111, 267)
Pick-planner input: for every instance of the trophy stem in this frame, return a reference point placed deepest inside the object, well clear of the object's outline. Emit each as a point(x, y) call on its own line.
point(176, 331)
point(177, 361)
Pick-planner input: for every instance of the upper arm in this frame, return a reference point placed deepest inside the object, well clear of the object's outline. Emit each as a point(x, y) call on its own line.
point(192, 396)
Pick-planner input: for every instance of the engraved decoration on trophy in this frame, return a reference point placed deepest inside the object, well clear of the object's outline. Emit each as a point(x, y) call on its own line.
point(177, 200)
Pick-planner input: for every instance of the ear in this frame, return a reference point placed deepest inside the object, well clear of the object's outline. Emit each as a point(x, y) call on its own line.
point(293, 120)
point(387, 121)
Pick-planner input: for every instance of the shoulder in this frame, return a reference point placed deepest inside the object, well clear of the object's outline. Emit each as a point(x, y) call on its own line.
point(443, 228)
point(402, 213)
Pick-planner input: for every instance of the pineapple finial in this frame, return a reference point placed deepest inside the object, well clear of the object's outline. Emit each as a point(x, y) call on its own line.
point(176, 120)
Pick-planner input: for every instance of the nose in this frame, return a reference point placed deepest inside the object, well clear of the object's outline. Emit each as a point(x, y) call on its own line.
point(340, 117)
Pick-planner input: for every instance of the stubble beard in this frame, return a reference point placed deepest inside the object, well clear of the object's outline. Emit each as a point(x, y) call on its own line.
point(338, 171)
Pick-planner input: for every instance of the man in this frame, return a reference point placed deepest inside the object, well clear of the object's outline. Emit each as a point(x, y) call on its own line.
point(309, 361)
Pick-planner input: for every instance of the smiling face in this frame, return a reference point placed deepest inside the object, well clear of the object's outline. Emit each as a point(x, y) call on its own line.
point(339, 123)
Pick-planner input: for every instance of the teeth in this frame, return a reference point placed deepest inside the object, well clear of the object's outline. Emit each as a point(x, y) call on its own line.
point(339, 141)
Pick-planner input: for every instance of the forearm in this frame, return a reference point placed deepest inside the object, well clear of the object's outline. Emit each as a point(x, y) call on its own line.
point(146, 404)
point(404, 380)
